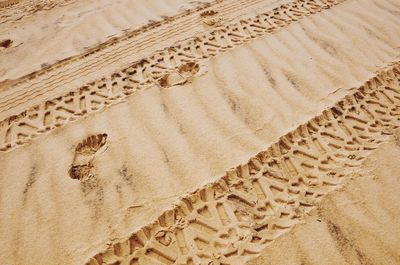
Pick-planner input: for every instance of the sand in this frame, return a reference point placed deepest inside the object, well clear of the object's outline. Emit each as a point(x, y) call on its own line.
point(209, 132)
point(358, 224)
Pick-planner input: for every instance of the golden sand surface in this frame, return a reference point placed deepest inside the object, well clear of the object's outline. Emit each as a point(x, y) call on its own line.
point(358, 224)
point(199, 132)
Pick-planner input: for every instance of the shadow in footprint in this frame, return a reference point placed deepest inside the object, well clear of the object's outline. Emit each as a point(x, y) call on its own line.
point(82, 169)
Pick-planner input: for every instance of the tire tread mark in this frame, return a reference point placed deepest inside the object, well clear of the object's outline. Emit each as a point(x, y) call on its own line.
point(234, 218)
point(164, 68)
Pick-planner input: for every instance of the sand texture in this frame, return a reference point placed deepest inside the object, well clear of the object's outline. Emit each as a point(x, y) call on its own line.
point(199, 132)
point(356, 225)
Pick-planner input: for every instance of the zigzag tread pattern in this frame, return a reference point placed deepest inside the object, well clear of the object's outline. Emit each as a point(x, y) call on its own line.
point(120, 46)
point(233, 219)
point(181, 62)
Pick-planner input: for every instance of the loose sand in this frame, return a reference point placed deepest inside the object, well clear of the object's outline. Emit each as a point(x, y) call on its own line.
point(121, 123)
point(357, 224)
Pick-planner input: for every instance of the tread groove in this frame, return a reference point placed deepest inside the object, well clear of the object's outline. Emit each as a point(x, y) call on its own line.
point(159, 69)
point(234, 218)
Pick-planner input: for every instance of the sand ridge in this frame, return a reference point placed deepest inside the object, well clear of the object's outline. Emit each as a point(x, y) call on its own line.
point(91, 65)
point(20, 129)
point(91, 190)
point(357, 224)
point(167, 30)
point(82, 28)
point(233, 219)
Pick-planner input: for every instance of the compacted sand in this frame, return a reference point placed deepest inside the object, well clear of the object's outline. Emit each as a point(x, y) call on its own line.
point(199, 132)
point(358, 224)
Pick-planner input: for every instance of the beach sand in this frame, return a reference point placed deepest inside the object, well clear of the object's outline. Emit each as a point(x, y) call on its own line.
point(203, 132)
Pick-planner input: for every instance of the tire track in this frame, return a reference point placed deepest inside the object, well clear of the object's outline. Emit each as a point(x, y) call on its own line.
point(118, 48)
point(234, 218)
point(174, 65)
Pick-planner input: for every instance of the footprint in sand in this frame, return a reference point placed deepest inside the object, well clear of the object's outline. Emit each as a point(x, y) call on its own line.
point(183, 74)
point(82, 165)
point(210, 18)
